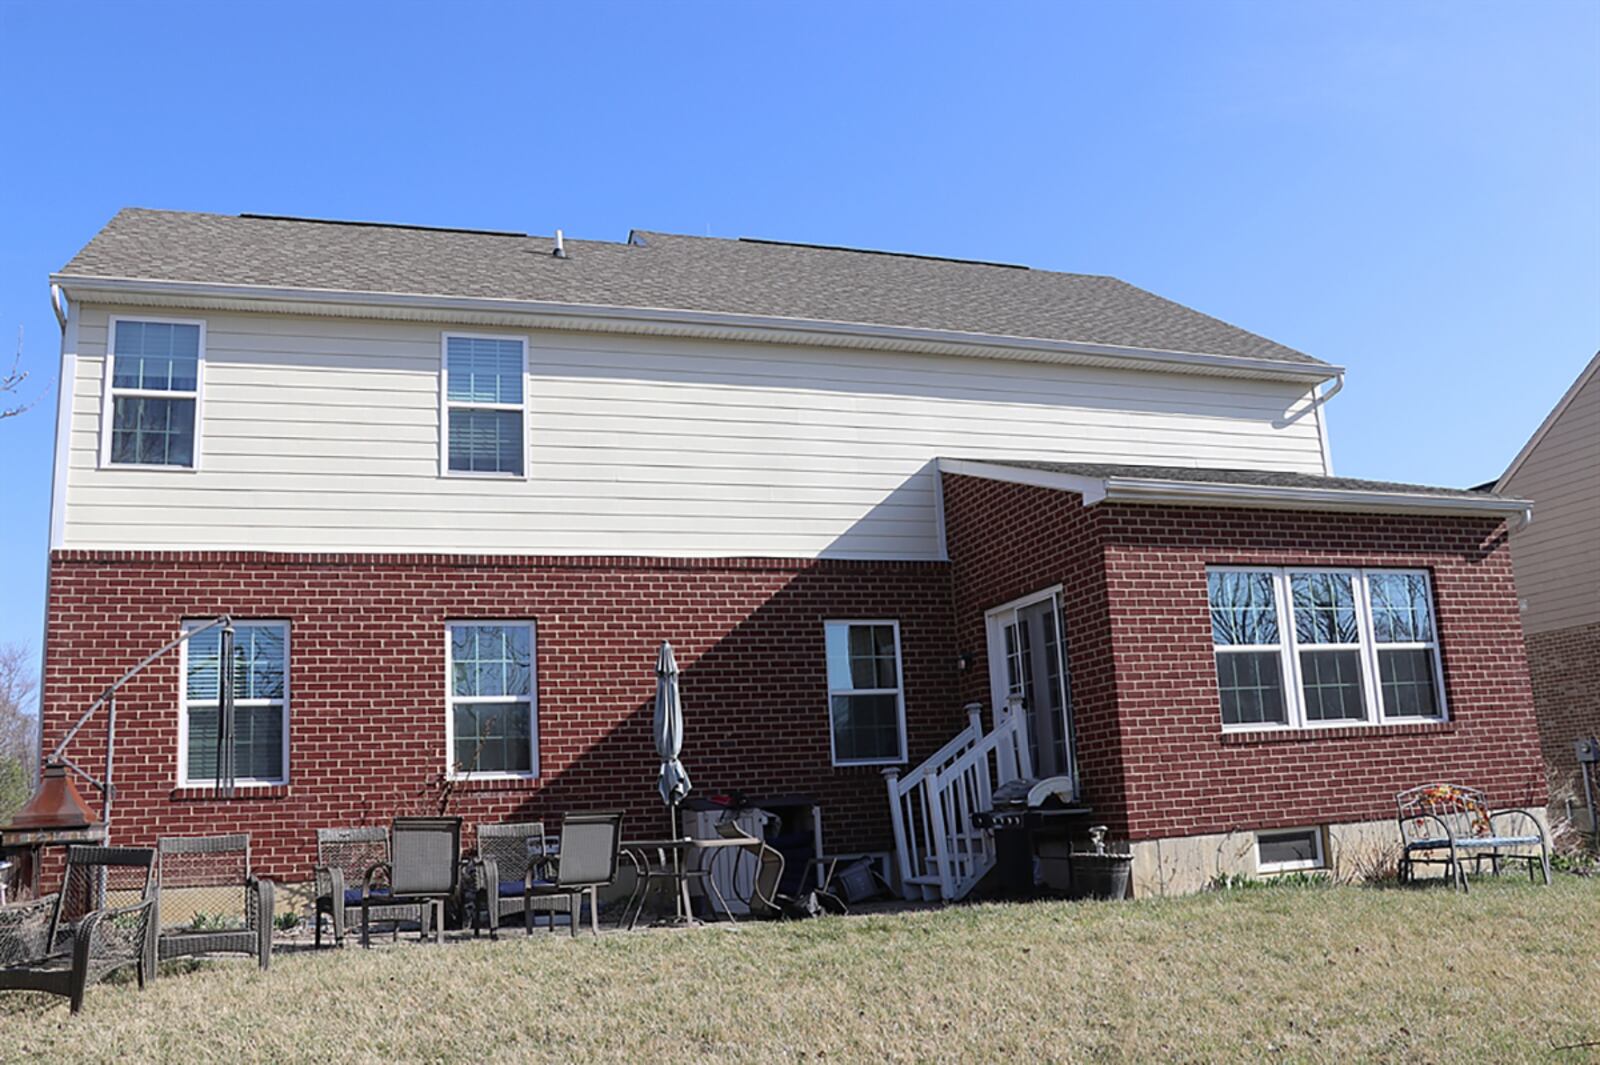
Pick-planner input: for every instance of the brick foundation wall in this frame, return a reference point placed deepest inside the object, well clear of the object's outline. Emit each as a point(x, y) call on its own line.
point(1565, 667)
point(1154, 760)
point(367, 727)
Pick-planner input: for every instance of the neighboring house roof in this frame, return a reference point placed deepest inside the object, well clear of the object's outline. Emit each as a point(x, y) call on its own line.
point(1550, 420)
point(1199, 485)
point(665, 272)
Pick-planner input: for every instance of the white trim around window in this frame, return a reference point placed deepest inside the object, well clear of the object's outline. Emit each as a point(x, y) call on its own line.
point(239, 703)
point(109, 393)
point(1317, 859)
point(446, 405)
point(1384, 700)
point(495, 694)
point(842, 684)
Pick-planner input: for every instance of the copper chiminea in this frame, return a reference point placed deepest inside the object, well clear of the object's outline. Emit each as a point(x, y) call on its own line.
point(56, 808)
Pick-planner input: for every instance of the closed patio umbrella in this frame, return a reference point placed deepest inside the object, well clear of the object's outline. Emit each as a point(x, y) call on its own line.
point(674, 779)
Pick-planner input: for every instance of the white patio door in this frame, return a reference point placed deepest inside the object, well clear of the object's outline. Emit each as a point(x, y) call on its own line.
point(1028, 659)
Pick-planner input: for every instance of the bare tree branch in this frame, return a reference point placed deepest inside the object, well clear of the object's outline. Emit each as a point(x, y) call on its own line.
point(11, 382)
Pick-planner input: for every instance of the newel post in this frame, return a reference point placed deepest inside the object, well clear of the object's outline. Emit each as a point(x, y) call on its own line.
point(975, 719)
point(897, 819)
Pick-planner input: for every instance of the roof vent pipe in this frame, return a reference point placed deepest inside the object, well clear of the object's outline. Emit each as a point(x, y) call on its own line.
point(561, 246)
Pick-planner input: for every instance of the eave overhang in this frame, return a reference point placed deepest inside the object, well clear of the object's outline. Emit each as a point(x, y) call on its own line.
point(656, 321)
point(1214, 494)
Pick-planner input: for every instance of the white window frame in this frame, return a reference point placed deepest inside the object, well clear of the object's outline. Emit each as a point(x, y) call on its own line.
point(183, 707)
point(445, 406)
point(1290, 647)
point(898, 692)
point(1319, 861)
point(451, 698)
point(108, 394)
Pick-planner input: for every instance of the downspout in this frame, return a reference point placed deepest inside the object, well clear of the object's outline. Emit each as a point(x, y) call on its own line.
point(1322, 423)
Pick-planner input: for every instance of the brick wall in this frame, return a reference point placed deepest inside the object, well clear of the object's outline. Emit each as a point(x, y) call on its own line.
point(1565, 667)
point(1152, 754)
point(367, 681)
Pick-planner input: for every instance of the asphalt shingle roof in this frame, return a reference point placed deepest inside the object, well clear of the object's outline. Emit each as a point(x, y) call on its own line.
point(662, 271)
point(1202, 475)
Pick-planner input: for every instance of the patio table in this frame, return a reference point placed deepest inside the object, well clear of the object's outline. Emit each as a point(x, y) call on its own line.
point(664, 860)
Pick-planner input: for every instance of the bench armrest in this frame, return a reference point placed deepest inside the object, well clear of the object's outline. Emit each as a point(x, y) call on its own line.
point(1516, 817)
point(1408, 826)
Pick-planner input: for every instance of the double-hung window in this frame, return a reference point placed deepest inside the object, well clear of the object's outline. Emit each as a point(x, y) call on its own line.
point(1316, 647)
point(491, 719)
point(483, 405)
point(260, 704)
point(152, 397)
point(866, 699)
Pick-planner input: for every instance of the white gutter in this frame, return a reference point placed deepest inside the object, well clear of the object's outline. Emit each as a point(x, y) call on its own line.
point(582, 316)
point(1117, 489)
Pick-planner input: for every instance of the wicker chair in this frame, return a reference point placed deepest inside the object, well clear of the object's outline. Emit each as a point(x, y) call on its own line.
point(501, 881)
point(213, 901)
point(424, 871)
point(344, 857)
point(102, 920)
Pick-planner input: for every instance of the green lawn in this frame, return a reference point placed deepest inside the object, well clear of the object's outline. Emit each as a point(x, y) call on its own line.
point(1282, 973)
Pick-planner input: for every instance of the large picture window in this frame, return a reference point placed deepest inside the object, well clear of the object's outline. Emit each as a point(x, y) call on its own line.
point(1316, 647)
point(491, 717)
point(866, 699)
point(483, 410)
point(260, 704)
point(152, 399)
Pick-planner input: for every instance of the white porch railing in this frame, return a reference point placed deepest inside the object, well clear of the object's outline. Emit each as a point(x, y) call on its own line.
point(942, 853)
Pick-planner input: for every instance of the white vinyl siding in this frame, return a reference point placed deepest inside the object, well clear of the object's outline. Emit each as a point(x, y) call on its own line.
point(324, 434)
point(1557, 555)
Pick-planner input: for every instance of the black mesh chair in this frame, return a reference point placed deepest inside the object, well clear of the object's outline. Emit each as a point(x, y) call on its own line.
point(590, 847)
point(423, 870)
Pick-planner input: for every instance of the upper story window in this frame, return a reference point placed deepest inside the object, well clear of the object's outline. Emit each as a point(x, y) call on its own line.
point(484, 409)
point(152, 396)
point(1312, 647)
point(866, 697)
point(491, 719)
point(260, 705)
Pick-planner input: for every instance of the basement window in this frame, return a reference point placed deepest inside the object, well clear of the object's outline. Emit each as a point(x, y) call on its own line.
point(1289, 850)
point(150, 415)
point(483, 409)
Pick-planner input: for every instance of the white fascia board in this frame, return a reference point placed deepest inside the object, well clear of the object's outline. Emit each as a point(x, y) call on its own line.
point(1192, 493)
point(1093, 489)
point(672, 321)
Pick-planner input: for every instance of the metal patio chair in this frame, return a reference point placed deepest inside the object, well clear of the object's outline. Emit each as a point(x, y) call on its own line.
point(1450, 825)
point(510, 860)
point(344, 857)
point(101, 920)
point(209, 901)
point(591, 845)
point(423, 871)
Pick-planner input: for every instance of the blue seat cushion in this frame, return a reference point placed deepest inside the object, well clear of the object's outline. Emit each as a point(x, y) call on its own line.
point(352, 896)
point(513, 888)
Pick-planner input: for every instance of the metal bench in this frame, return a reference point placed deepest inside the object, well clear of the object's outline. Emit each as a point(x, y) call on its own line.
point(1450, 825)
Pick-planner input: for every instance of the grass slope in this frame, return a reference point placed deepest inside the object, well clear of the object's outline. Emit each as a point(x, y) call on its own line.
point(1283, 973)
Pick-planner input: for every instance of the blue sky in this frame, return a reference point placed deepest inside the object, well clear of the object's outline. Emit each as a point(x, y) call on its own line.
point(1411, 190)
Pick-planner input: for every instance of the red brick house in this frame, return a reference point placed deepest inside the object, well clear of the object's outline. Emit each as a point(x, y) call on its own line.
point(454, 487)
